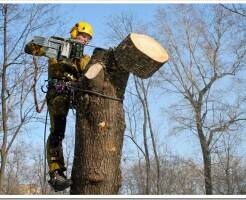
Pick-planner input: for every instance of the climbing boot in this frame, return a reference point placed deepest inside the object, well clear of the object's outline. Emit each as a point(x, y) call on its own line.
point(58, 181)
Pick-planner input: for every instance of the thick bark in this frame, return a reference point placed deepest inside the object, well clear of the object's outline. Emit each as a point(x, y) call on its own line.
point(100, 126)
point(100, 122)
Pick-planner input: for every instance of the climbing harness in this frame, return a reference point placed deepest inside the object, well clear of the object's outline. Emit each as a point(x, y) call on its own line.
point(62, 86)
point(42, 87)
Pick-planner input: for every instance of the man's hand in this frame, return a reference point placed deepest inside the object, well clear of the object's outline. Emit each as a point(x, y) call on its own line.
point(83, 62)
point(34, 49)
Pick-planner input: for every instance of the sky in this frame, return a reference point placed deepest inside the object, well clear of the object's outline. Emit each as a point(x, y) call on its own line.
point(98, 15)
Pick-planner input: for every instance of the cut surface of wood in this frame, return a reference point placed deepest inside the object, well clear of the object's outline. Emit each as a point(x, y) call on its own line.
point(93, 71)
point(149, 47)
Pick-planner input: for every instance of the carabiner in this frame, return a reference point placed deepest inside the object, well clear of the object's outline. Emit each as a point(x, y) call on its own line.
point(42, 87)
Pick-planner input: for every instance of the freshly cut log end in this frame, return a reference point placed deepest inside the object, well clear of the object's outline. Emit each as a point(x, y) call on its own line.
point(140, 54)
point(93, 71)
point(150, 47)
point(95, 76)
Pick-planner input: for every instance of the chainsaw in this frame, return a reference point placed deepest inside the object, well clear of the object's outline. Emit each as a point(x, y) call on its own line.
point(59, 48)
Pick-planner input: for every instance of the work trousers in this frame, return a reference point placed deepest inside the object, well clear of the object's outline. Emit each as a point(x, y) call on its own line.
point(58, 107)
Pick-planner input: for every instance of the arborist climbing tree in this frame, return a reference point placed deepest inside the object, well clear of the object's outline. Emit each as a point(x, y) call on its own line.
point(95, 87)
point(59, 98)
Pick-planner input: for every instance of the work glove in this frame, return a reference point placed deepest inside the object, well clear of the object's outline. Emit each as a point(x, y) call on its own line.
point(65, 69)
point(83, 62)
point(34, 49)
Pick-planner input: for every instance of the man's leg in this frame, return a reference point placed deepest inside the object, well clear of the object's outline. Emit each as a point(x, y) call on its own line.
point(58, 107)
point(54, 143)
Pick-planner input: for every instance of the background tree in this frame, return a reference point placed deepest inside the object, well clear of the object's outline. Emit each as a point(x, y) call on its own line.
point(118, 27)
point(15, 168)
point(228, 165)
point(204, 59)
point(16, 70)
point(178, 176)
point(239, 9)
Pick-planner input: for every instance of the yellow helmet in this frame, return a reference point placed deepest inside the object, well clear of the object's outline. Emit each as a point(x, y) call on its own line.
point(81, 27)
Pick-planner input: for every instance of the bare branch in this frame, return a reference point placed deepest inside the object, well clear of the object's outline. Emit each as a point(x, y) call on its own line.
point(235, 10)
point(134, 141)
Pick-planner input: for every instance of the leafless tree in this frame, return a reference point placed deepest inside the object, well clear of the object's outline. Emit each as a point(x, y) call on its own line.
point(16, 168)
point(239, 9)
point(132, 135)
point(142, 92)
point(178, 176)
point(13, 168)
point(16, 70)
point(203, 59)
point(119, 26)
point(228, 165)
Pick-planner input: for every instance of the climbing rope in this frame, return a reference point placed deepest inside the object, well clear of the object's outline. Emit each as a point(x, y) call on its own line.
point(69, 86)
point(96, 93)
point(45, 127)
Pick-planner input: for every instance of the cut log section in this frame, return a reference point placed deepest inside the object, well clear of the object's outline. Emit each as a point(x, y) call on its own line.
point(95, 76)
point(140, 54)
point(93, 71)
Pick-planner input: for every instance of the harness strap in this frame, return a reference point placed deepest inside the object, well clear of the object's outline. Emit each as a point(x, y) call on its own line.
point(62, 85)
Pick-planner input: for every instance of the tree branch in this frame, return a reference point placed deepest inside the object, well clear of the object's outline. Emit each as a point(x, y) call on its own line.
point(234, 10)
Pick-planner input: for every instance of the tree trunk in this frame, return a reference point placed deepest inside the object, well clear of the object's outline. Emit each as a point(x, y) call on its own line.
point(146, 148)
point(207, 170)
point(100, 126)
point(145, 138)
point(229, 188)
point(157, 160)
point(100, 122)
point(206, 154)
point(3, 99)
